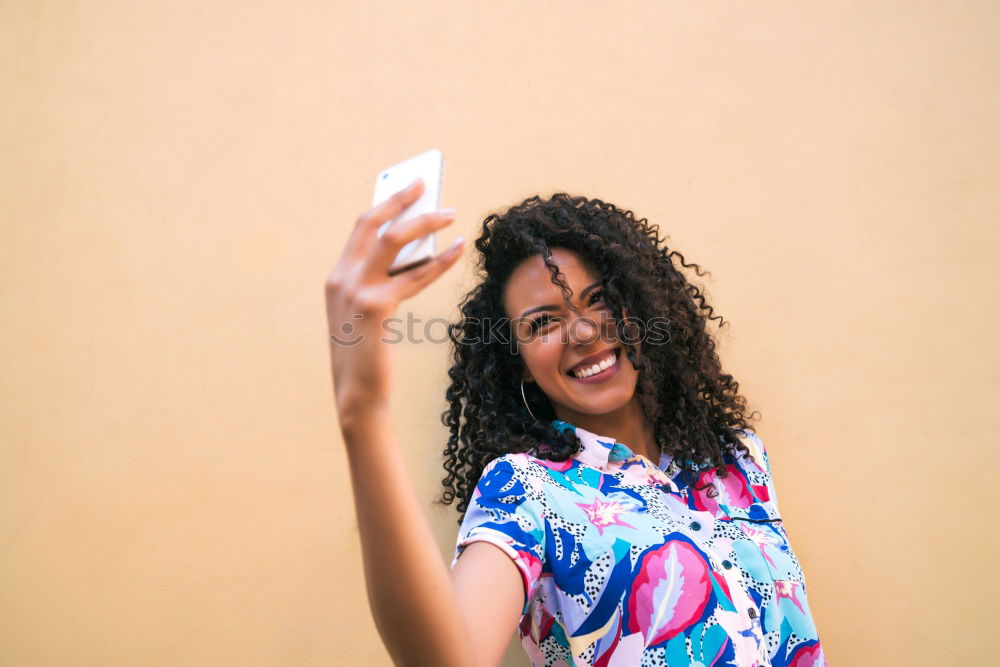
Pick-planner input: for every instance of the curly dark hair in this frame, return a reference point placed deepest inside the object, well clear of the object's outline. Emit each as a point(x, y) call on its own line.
point(693, 406)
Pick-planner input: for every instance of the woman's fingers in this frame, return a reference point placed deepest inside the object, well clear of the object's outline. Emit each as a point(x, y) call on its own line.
point(383, 252)
point(414, 281)
point(365, 232)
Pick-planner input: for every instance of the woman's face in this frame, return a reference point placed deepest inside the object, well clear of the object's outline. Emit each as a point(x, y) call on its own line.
point(556, 343)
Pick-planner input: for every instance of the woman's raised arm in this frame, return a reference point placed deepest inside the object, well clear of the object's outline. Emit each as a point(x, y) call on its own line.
point(424, 615)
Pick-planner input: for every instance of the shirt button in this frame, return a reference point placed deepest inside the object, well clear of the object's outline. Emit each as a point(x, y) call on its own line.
point(695, 525)
point(752, 612)
point(726, 564)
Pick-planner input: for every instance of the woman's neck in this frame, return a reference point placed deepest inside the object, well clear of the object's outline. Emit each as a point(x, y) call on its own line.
point(626, 425)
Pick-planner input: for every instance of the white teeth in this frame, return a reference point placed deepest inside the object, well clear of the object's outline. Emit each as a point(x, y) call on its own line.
point(596, 368)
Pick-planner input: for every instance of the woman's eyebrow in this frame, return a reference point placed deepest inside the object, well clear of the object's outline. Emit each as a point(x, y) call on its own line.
point(583, 295)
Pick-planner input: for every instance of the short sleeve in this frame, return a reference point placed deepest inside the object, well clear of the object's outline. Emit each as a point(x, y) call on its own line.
point(501, 513)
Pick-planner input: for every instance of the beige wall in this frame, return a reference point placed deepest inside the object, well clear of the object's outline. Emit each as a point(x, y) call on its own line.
point(179, 177)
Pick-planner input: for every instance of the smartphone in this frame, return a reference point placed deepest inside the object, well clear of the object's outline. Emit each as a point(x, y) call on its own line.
point(430, 167)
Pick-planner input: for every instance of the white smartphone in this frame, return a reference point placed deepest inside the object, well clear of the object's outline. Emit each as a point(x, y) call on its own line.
point(430, 167)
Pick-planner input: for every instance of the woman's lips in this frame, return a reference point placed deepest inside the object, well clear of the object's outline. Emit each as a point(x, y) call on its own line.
point(607, 373)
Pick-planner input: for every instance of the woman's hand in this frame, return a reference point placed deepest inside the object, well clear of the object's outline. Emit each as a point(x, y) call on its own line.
point(361, 295)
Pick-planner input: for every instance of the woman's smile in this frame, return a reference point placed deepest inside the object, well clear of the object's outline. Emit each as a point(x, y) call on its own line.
point(592, 371)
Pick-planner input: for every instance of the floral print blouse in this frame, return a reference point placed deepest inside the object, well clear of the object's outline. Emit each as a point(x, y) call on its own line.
point(622, 567)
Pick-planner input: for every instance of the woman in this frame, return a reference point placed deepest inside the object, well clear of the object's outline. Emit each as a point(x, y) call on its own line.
point(617, 510)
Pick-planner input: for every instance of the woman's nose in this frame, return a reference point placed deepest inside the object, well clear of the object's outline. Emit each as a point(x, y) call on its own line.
point(584, 330)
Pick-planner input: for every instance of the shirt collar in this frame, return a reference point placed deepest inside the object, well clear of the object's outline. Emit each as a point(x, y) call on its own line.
point(597, 450)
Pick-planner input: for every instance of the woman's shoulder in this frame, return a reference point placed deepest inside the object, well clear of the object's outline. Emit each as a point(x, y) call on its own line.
point(527, 462)
point(509, 469)
point(757, 460)
point(511, 461)
point(512, 478)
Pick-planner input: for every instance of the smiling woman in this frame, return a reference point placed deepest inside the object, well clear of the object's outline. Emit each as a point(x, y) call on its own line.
point(614, 468)
point(616, 508)
point(579, 278)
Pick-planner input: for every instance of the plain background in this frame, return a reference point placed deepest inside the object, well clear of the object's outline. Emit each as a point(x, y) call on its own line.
point(179, 178)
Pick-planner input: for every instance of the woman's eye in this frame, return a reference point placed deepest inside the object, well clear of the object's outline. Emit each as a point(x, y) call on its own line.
point(595, 296)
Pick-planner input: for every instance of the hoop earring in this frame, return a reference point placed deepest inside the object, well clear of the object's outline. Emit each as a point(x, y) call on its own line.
point(526, 401)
